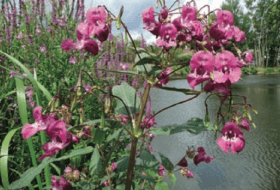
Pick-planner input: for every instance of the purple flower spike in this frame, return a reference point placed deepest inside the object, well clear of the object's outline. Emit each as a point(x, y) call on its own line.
point(232, 138)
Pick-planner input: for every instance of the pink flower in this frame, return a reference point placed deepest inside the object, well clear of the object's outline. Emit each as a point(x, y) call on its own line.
point(163, 77)
point(226, 68)
point(43, 48)
point(72, 60)
point(113, 166)
point(225, 17)
point(188, 12)
point(163, 14)
point(187, 173)
point(232, 138)
point(239, 35)
point(202, 156)
point(68, 170)
point(150, 124)
point(31, 104)
point(149, 21)
point(203, 60)
point(49, 29)
point(61, 184)
point(248, 56)
point(125, 67)
point(38, 31)
point(168, 31)
point(105, 183)
point(57, 130)
point(161, 170)
point(87, 87)
point(202, 64)
point(41, 123)
point(67, 44)
point(245, 124)
point(166, 45)
point(97, 16)
point(19, 36)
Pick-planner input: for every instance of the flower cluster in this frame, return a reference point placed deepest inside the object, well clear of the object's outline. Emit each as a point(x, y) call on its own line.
point(200, 157)
point(94, 26)
point(55, 129)
point(60, 184)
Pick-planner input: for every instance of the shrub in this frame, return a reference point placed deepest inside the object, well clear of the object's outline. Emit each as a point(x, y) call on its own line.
point(278, 70)
point(245, 70)
point(253, 70)
point(268, 70)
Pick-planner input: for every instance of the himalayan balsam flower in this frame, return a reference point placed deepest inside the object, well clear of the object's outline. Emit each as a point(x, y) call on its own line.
point(43, 48)
point(202, 156)
point(149, 21)
point(187, 173)
point(245, 124)
point(41, 123)
point(61, 184)
point(161, 170)
point(232, 138)
point(163, 77)
point(38, 31)
point(248, 56)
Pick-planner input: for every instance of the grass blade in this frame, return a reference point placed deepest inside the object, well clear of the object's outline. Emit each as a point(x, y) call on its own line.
point(21, 99)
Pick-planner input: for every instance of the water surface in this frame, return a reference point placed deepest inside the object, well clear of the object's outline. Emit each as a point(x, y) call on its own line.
point(257, 167)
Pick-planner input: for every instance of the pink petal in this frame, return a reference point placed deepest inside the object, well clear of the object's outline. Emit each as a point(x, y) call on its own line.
point(219, 77)
point(57, 129)
point(82, 31)
point(28, 131)
point(235, 75)
point(237, 145)
point(67, 44)
point(37, 113)
point(188, 12)
point(91, 46)
point(223, 144)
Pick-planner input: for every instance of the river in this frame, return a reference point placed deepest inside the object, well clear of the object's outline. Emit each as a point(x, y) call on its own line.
point(256, 167)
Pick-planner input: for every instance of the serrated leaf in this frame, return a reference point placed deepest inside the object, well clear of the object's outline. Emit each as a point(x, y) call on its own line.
point(114, 135)
point(183, 90)
point(148, 60)
point(162, 185)
point(166, 162)
point(95, 162)
point(122, 163)
point(194, 125)
point(127, 94)
point(148, 160)
point(173, 178)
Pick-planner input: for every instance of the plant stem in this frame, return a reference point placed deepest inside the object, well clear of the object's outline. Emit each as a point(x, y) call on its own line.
point(135, 139)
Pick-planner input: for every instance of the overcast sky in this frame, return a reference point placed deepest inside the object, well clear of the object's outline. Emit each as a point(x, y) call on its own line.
point(132, 12)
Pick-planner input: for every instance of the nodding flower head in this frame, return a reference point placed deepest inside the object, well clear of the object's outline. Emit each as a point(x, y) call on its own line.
point(232, 138)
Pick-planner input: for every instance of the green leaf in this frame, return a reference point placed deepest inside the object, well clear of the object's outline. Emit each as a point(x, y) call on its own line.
point(114, 135)
point(148, 60)
point(99, 136)
point(194, 126)
point(4, 159)
point(173, 178)
point(30, 174)
point(162, 185)
point(113, 124)
point(166, 162)
point(122, 163)
point(183, 90)
point(127, 94)
point(149, 178)
point(95, 162)
point(148, 160)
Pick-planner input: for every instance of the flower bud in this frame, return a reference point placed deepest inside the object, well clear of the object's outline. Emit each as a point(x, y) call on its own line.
point(190, 153)
point(76, 175)
point(187, 173)
point(183, 162)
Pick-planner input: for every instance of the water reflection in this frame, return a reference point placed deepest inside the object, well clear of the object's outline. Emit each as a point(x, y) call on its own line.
point(257, 167)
